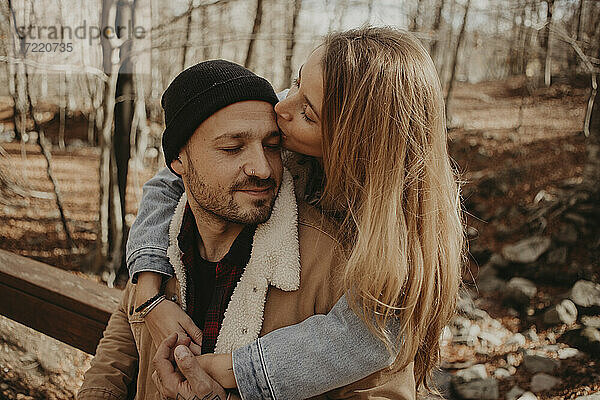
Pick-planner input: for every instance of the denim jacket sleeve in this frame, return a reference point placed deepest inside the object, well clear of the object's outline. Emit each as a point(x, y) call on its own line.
point(310, 358)
point(149, 236)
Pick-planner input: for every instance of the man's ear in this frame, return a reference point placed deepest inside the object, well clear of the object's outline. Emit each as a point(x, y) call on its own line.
point(177, 165)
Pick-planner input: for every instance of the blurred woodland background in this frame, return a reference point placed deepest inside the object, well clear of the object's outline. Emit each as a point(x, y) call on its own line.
point(80, 133)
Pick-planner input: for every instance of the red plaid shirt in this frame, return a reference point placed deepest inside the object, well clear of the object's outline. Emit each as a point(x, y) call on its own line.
point(211, 284)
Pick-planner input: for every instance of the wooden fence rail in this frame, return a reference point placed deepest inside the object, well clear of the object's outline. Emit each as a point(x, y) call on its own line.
point(70, 308)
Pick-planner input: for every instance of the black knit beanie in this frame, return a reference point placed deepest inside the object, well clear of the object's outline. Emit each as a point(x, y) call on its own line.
point(200, 91)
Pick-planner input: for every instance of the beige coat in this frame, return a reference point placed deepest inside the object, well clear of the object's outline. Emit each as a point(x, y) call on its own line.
point(273, 292)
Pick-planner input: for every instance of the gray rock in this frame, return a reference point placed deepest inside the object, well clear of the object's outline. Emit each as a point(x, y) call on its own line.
point(512, 360)
point(514, 393)
point(531, 335)
point(527, 396)
point(536, 363)
point(501, 373)
point(594, 396)
point(541, 382)
point(527, 250)
point(488, 281)
point(567, 234)
point(477, 314)
point(497, 261)
point(585, 294)
point(471, 374)
point(591, 322)
point(481, 389)
point(491, 338)
point(558, 256)
point(516, 339)
point(591, 334)
point(551, 347)
point(563, 313)
point(568, 352)
point(519, 291)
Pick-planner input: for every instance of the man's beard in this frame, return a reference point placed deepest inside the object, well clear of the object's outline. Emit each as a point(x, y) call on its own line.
point(222, 204)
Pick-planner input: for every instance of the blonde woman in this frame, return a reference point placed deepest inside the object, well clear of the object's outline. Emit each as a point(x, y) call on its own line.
point(367, 111)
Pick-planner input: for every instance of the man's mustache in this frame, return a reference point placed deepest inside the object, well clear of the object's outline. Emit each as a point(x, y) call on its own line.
point(254, 183)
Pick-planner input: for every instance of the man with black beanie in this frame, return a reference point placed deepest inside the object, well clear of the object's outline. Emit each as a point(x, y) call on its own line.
point(236, 238)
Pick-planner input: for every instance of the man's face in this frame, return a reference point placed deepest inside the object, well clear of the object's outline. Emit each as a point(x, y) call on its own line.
point(231, 166)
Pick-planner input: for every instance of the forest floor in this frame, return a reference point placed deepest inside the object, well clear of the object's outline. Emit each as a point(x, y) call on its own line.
point(516, 150)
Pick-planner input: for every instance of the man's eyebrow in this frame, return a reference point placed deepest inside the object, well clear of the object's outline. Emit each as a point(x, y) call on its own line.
point(244, 135)
point(310, 104)
point(234, 135)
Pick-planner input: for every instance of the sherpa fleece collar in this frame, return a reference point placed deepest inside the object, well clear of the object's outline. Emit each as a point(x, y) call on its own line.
point(274, 260)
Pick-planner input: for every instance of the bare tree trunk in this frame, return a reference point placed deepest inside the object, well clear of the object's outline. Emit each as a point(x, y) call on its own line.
point(572, 59)
point(370, 8)
point(291, 43)
point(524, 57)
point(547, 44)
point(342, 14)
point(455, 58)
point(255, 29)
point(143, 130)
point(62, 106)
point(515, 39)
point(205, 48)
point(414, 22)
point(577, 32)
point(114, 145)
point(436, 29)
point(591, 171)
point(188, 28)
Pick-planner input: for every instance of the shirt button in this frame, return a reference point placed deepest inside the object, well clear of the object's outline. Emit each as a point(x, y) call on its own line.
point(174, 298)
point(254, 290)
point(244, 331)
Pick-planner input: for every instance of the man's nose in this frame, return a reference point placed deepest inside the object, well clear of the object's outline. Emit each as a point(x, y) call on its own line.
point(258, 165)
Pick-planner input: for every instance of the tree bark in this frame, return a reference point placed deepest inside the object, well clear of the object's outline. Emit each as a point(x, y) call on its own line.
point(517, 34)
point(370, 9)
point(459, 40)
point(547, 47)
point(414, 22)
point(291, 44)
point(114, 144)
point(435, 28)
point(255, 29)
point(591, 171)
point(186, 43)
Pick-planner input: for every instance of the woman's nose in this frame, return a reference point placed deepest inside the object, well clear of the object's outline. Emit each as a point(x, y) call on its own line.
point(282, 110)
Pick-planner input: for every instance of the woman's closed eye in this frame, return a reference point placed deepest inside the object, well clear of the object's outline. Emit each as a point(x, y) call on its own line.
point(304, 115)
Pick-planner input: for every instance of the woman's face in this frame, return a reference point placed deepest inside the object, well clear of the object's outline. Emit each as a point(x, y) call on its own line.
point(299, 114)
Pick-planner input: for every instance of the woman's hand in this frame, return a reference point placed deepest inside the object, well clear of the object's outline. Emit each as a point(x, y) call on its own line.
point(189, 381)
point(167, 317)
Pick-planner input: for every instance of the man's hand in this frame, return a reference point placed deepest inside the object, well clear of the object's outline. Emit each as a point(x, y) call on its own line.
point(190, 381)
point(167, 317)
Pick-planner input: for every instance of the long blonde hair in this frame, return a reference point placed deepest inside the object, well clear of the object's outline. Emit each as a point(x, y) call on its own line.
point(387, 169)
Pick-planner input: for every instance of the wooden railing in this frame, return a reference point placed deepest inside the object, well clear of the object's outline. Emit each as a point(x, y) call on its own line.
point(70, 308)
